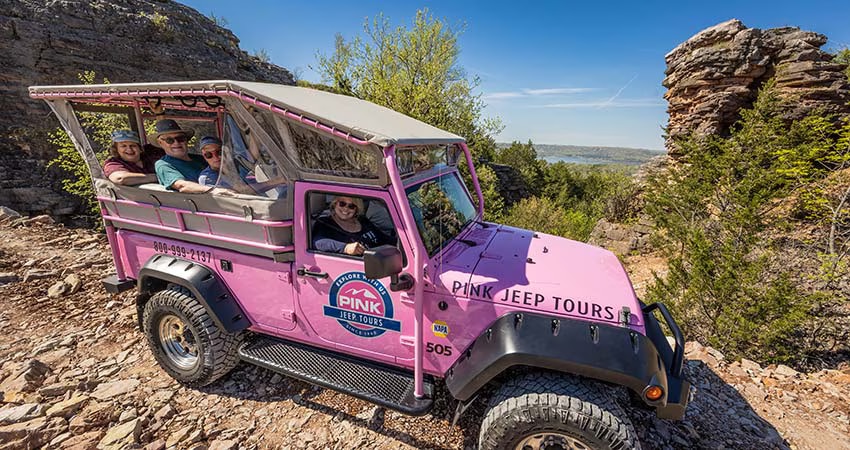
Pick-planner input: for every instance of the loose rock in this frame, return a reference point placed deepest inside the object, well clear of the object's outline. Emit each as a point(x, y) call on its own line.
point(121, 436)
point(106, 391)
point(68, 407)
point(22, 413)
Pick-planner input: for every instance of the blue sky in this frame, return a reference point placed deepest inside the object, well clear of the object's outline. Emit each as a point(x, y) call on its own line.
point(557, 72)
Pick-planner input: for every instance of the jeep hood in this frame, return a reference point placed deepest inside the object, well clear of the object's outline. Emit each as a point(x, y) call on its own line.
point(521, 269)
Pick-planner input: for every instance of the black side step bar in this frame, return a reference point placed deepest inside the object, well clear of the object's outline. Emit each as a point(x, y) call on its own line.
point(115, 286)
point(383, 385)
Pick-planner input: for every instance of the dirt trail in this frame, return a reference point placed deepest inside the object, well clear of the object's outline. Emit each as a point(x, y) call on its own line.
point(76, 373)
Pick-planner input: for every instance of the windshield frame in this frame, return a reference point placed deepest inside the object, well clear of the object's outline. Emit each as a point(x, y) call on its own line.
point(436, 176)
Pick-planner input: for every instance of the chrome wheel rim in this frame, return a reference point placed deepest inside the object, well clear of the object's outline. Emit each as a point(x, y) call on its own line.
point(178, 342)
point(551, 441)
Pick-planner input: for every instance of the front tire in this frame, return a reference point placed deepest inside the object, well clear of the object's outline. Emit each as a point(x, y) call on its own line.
point(545, 410)
point(185, 340)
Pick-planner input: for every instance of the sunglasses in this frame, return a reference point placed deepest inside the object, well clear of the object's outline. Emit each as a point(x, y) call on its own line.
point(347, 205)
point(170, 140)
point(216, 153)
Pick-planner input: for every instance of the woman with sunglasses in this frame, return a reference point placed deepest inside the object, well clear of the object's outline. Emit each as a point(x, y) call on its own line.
point(211, 151)
point(128, 163)
point(345, 230)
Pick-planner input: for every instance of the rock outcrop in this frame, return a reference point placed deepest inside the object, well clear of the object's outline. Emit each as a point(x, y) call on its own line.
point(717, 72)
point(50, 42)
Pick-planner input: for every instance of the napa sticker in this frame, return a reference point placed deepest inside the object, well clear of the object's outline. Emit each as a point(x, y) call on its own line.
point(362, 306)
point(440, 328)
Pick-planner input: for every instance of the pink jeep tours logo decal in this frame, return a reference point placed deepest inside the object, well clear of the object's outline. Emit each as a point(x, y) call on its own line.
point(362, 306)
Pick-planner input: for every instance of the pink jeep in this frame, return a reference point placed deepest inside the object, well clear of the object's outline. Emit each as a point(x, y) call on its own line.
point(288, 276)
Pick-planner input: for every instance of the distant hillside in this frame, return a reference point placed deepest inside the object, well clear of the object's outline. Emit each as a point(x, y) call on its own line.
point(580, 154)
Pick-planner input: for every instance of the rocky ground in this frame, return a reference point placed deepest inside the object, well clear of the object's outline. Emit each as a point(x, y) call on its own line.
point(76, 373)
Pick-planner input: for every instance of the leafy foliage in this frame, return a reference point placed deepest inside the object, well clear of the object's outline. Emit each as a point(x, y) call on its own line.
point(414, 71)
point(317, 86)
point(541, 214)
point(160, 25)
point(99, 127)
point(523, 158)
point(493, 201)
point(579, 195)
point(726, 281)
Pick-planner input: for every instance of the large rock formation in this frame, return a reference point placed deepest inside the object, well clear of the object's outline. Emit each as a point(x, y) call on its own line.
point(51, 41)
point(714, 74)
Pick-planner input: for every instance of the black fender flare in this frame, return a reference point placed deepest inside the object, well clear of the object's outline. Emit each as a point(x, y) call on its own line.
point(200, 280)
point(609, 353)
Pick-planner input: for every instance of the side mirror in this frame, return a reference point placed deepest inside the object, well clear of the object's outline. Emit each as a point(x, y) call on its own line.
point(386, 261)
point(382, 262)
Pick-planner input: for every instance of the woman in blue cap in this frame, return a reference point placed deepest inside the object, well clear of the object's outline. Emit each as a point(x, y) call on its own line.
point(246, 183)
point(128, 163)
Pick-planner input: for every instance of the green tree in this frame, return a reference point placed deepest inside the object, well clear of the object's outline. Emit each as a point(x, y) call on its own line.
point(494, 203)
point(523, 158)
point(727, 281)
point(539, 214)
point(414, 71)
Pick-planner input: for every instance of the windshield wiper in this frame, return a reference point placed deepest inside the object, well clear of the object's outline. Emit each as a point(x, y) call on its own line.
point(467, 242)
point(483, 224)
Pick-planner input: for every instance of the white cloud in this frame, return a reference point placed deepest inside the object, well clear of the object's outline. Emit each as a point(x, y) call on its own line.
point(500, 95)
point(610, 103)
point(557, 91)
point(525, 92)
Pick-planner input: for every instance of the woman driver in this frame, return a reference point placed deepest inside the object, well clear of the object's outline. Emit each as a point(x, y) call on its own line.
point(345, 230)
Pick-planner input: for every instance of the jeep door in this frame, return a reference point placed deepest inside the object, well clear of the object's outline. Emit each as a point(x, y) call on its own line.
point(345, 309)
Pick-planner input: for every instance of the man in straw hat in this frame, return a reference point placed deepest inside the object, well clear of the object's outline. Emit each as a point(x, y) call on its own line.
point(177, 170)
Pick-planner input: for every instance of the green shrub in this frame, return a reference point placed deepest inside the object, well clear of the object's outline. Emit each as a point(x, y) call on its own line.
point(159, 25)
point(538, 214)
point(523, 158)
point(729, 282)
point(494, 204)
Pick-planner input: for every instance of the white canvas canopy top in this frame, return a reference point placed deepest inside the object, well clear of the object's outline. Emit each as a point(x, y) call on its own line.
point(357, 118)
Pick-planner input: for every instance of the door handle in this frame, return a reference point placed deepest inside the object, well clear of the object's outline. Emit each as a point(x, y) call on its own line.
point(303, 272)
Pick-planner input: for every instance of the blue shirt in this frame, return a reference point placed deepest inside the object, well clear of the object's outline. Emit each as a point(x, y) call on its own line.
point(170, 169)
point(208, 177)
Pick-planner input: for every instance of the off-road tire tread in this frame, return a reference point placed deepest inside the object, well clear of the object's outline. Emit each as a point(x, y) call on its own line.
point(218, 348)
point(558, 399)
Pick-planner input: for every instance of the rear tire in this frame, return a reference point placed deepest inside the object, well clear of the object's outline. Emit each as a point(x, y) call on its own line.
point(545, 410)
point(185, 340)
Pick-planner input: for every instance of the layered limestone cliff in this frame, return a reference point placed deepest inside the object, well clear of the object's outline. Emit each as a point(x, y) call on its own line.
point(717, 72)
point(51, 41)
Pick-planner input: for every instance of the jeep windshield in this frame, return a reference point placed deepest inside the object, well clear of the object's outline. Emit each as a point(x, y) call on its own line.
point(442, 208)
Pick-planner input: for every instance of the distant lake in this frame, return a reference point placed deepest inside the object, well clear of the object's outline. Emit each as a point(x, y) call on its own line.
point(583, 160)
